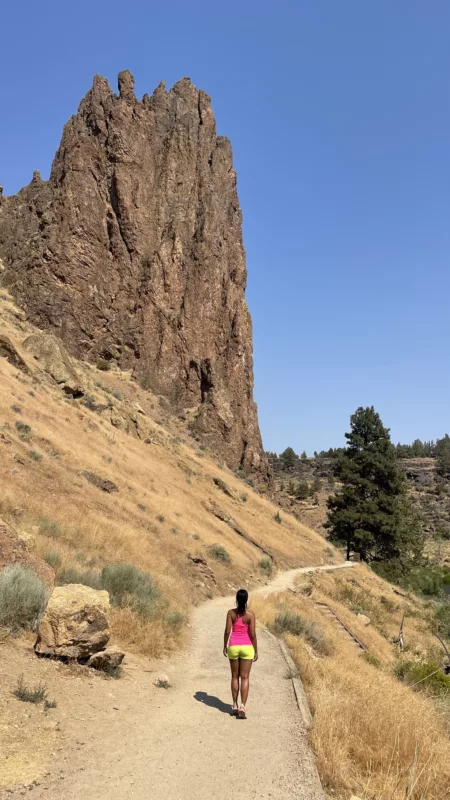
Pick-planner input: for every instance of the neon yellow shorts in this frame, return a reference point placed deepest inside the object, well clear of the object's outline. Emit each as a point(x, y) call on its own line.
point(244, 651)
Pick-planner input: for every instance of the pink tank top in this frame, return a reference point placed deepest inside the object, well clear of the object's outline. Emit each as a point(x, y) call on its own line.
point(239, 633)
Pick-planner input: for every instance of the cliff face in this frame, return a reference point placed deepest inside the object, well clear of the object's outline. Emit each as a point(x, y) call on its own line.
point(132, 252)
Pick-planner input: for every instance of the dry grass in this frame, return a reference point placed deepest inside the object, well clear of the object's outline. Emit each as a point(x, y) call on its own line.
point(372, 735)
point(159, 515)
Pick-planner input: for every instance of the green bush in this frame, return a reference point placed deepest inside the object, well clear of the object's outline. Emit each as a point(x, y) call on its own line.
point(425, 676)
point(277, 517)
point(35, 455)
point(24, 430)
point(85, 577)
point(53, 558)
point(23, 598)
point(266, 565)
point(175, 620)
point(28, 694)
point(49, 528)
point(103, 365)
point(286, 622)
point(442, 620)
point(128, 585)
point(371, 659)
point(219, 553)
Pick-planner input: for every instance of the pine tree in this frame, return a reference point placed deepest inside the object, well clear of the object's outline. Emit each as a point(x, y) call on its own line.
point(302, 491)
point(443, 456)
point(288, 459)
point(368, 513)
point(304, 454)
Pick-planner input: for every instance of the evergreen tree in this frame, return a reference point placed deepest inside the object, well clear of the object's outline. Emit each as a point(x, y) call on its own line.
point(288, 459)
point(291, 487)
point(304, 454)
point(443, 456)
point(316, 486)
point(368, 513)
point(302, 491)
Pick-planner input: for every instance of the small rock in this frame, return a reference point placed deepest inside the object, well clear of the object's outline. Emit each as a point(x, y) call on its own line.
point(111, 658)
point(162, 681)
point(365, 621)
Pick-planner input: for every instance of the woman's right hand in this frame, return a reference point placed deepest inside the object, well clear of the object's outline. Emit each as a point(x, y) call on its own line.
point(255, 658)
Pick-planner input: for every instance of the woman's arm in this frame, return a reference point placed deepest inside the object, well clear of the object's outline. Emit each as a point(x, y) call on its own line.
point(226, 635)
point(252, 634)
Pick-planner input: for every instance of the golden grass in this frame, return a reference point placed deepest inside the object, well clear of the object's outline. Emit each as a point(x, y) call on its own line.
point(372, 735)
point(159, 515)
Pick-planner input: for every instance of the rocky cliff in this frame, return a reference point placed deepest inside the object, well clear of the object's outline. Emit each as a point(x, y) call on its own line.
point(132, 252)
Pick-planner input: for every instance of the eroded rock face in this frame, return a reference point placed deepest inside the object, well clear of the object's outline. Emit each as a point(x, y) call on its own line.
point(75, 623)
point(132, 252)
point(51, 354)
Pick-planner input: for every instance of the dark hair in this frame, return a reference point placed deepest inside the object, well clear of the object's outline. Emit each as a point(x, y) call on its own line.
point(241, 601)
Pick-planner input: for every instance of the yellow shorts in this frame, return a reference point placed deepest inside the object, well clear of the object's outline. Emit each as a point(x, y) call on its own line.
point(244, 651)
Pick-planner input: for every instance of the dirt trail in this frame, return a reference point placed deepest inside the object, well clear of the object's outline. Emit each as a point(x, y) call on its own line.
point(135, 741)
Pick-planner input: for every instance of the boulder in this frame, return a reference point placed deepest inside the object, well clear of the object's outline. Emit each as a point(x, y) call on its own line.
point(75, 623)
point(109, 659)
point(53, 358)
point(365, 620)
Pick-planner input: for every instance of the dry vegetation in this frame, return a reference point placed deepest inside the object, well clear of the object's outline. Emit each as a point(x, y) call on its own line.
point(161, 512)
point(373, 735)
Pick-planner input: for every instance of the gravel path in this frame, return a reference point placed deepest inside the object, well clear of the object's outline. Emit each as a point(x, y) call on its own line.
point(181, 742)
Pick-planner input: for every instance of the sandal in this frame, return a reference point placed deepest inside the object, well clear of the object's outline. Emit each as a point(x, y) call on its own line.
point(234, 710)
point(242, 713)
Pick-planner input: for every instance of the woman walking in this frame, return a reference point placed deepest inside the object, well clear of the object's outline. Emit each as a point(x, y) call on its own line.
point(241, 647)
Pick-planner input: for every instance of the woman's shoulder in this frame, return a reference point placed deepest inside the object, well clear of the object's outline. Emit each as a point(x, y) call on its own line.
point(250, 613)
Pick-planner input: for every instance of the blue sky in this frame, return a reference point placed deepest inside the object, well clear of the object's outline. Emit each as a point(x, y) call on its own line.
point(339, 117)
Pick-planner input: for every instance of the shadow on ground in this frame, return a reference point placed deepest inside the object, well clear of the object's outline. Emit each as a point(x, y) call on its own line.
point(213, 702)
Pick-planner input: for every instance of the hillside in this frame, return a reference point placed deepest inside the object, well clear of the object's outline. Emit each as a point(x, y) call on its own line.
point(173, 499)
point(429, 491)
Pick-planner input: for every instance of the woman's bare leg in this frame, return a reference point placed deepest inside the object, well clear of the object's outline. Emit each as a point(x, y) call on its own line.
point(234, 679)
point(245, 666)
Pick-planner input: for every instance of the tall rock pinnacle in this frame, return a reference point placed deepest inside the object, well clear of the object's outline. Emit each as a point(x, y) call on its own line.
point(132, 252)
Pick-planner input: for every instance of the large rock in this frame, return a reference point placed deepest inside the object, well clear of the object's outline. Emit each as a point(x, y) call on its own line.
point(53, 359)
point(132, 252)
point(75, 623)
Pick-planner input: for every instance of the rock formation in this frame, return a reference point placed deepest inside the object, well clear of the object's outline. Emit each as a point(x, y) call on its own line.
point(132, 252)
point(75, 623)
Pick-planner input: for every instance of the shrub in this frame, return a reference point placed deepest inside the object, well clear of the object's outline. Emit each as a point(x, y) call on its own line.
point(175, 620)
point(370, 659)
point(49, 528)
point(129, 586)
point(89, 401)
point(23, 597)
point(244, 497)
point(219, 553)
point(85, 577)
point(266, 565)
point(53, 558)
point(277, 517)
point(16, 409)
point(424, 676)
point(442, 620)
point(103, 365)
point(24, 430)
point(28, 694)
point(160, 518)
point(35, 455)
point(286, 622)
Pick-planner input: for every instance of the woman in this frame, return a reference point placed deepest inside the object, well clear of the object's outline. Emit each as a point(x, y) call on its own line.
point(241, 647)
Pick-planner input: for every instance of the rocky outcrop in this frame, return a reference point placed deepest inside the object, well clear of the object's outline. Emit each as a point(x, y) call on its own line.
point(132, 252)
point(75, 623)
point(53, 359)
point(10, 352)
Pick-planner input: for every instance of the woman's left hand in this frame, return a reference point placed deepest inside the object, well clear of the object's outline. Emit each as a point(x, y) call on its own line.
point(225, 652)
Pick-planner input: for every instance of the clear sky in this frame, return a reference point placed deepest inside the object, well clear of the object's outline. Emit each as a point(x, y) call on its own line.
point(339, 116)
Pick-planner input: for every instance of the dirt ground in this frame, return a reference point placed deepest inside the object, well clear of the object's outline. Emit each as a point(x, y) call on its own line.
point(129, 739)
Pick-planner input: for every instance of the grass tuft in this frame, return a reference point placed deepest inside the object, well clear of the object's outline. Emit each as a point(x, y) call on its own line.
point(218, 552)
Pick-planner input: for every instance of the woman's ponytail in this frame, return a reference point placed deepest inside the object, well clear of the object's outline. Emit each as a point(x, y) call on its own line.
point(241, 601)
